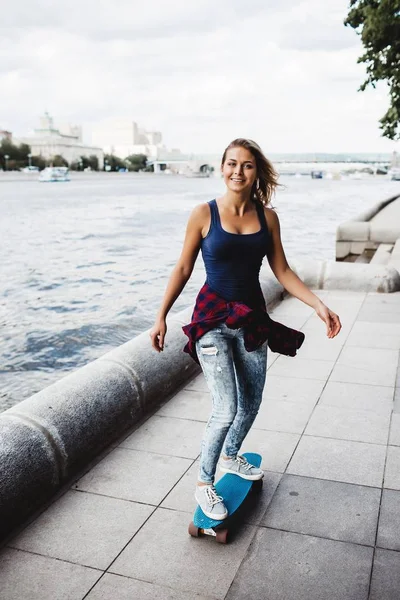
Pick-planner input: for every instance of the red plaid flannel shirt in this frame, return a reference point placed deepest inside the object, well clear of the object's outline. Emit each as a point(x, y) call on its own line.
point(210, 310)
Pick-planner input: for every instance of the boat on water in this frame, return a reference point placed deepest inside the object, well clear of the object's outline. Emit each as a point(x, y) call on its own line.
point(54, 174)
point(317, 174)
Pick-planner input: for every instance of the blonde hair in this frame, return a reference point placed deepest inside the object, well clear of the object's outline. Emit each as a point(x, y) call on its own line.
point(267, 178)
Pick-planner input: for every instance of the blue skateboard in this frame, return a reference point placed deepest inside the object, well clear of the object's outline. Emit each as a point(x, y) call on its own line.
point(234, 490)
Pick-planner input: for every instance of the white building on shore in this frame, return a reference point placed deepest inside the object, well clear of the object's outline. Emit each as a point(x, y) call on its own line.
point(123, 137)
point(47, 141)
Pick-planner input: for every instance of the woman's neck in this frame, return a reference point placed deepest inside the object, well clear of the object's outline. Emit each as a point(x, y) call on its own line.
point(238, 202)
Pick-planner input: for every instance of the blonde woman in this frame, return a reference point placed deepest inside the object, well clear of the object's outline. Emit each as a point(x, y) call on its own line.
point(230, 331)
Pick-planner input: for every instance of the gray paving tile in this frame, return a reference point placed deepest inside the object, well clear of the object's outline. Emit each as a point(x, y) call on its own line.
point(288, 366)
point(396, 402)
point(296, 321)
point(271, 358)
point(339, 460)
point(292, 306)
point(383, 302)
point(86, 529)
point(290, 566)
point(190, 405)
point(291, 417)
point(166, 435)
point(377, 315)
point(385, 299)
point(275, 447)
point(197, 384)
point(315, 326)
point(372, 366)
point(318, 346)
point(165, 539)
point(293, 389)
point(124, 473)
point(389, 521)
point(375, 335)
point(25, 576)
point(124, 588)
point(349, 424)
point(394, 438)
point(338, 511)
point(347, 295)
point(181, 496)
point(392, 472)
point(385, 583)
point(378, 399)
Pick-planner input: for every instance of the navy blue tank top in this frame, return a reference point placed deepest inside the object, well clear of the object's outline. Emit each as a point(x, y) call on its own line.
point(233, 260)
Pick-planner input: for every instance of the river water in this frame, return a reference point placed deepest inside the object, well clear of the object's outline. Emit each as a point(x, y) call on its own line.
point(84, 264)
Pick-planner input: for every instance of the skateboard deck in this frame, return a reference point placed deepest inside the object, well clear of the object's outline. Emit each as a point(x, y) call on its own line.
point(234, 490)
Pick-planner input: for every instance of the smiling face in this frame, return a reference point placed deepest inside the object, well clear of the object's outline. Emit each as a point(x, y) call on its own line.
point(239, 170)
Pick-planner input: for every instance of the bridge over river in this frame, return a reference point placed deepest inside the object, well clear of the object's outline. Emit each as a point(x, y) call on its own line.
point(197, 164)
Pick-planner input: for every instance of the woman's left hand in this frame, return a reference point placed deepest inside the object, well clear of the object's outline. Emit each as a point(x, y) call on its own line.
point(331, 319)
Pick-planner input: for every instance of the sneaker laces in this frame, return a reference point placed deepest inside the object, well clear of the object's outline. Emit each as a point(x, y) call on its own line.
point(212, 496)
point(244, 463)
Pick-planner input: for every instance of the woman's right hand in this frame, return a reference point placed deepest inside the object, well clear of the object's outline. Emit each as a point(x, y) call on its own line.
point(157, 334)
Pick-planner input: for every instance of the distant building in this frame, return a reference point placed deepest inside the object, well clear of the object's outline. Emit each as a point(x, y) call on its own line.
point(395, 162)
point(5, 135)
point(48, 141)
point(123, 137)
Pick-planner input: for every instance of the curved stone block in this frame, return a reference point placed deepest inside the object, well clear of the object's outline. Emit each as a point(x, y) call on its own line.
point(353, 231)
point(331, 275)
point(29, 470)
point(84, 411)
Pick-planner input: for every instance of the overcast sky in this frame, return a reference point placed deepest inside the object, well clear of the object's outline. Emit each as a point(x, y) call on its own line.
point(284, 73)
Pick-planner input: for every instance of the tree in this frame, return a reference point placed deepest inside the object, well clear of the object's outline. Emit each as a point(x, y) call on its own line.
point(59, 161)
point(93, 162)
point(136, 162)
point(114, 162)
point(379, 21)
point(18, 155)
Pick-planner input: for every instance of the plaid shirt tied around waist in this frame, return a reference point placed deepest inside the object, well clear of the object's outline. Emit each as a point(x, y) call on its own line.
point(211, 310)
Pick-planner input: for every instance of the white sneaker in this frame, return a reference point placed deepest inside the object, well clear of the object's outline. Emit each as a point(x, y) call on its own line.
point(210, 503)
point(240, 466)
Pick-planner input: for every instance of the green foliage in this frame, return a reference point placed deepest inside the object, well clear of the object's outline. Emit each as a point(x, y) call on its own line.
point(379, 23)
point(136, 162)
point(114, 162)
point(59, 161)
point(93, 162)
point(84, 162)
point(18, 155)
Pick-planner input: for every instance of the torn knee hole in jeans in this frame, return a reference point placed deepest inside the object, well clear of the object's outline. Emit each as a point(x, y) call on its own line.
point(209, 350)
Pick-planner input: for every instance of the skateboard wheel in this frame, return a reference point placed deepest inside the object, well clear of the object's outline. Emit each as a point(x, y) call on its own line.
point(193, 530)
point(257, 486)
point(222, 535)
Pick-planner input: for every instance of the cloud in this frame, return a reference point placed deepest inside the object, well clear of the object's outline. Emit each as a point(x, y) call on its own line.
point(202, 73)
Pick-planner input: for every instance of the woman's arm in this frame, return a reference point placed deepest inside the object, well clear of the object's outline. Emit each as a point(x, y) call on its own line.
point(291, 282)
point(181, 273)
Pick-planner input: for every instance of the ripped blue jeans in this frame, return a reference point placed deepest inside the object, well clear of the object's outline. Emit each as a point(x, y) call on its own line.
point(236, 380)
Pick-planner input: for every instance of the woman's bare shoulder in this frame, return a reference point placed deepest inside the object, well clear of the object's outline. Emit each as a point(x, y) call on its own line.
point(201, 210)
point(271, 217)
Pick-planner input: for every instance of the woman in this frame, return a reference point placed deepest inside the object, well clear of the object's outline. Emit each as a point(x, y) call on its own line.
point(230, 329)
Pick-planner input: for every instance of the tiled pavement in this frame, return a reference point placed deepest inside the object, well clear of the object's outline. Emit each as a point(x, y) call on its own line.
point(326, 526)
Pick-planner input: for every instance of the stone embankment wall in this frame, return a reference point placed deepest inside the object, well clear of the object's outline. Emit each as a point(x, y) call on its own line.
point(372, 235)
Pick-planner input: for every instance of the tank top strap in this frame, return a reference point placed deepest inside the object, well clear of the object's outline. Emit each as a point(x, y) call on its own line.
point(261, 215)
point(214, 213)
